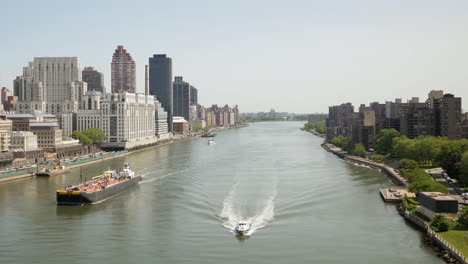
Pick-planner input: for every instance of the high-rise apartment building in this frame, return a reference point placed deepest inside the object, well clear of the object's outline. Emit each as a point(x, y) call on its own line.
point(450, 116)
point(181, 97)
point(160, 83)
point(52, 85)
point(193, 95)
point(94, 79)
point(123, 71)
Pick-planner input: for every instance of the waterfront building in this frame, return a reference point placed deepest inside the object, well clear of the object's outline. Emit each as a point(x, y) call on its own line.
point(49, 135)
point(436, 203)
point(4, 140)
point(94, 79)
point(160, 83)
point(417, 119)
point(123, 71)
point(22, 122)
point(449, 116)
point(90, 114)
point(5, 123)
point(23, 141)
point(181, 125)
point(128, 120)
point(161, 127)
point(181, 97)
point(52, 85)
point(193, 95)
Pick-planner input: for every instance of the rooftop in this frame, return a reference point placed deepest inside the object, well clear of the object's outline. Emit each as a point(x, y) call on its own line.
point(438, 196)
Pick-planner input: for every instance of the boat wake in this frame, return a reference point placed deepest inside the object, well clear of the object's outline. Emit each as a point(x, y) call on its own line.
point(231, 215)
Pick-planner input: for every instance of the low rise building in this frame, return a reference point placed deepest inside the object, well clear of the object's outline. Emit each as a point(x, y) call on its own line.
point(23, 141)
point(4, 140)
point(180, 125)
point(435, 203)
point(49, 135)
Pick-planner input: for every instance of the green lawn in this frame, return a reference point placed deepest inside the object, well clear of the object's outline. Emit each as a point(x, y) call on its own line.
point(458, 238)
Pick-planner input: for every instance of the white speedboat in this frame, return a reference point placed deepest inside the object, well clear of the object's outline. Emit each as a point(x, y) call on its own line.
point(242, 228)
point(211, 141)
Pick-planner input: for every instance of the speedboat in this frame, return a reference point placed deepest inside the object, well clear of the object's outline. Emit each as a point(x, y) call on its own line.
point(211, 141)
point(242, 228)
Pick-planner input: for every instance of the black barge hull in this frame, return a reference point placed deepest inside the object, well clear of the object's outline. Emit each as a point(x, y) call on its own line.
point(77, 197)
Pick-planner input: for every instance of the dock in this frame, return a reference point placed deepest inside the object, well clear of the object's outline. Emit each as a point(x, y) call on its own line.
point(394, 194)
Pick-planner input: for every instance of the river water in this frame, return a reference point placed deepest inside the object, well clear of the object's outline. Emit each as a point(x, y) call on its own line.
point(305, 206)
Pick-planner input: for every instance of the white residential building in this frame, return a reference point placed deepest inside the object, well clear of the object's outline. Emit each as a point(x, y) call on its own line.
point(23, 141)
point(90, 113)
point(128, 119)
point(4, 140)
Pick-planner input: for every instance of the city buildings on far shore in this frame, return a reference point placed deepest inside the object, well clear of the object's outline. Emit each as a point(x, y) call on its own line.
point(54, 97)
point(439, 115)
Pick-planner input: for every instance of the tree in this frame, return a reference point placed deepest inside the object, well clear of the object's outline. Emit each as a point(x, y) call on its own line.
point(385, 140)
point(464, 168)
point(450, 155)
point(403, 148)
point(344, 143)
point(359, 150)
point(440, 223)
point(463, 219)
point(89, 136)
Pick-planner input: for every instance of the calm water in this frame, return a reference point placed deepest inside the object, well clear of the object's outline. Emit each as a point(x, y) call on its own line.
point(305, 206)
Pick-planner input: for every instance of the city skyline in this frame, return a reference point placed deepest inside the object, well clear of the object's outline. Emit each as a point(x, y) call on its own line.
point(279, 56)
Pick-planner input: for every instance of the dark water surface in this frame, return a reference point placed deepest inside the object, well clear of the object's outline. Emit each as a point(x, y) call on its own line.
point(304, 204)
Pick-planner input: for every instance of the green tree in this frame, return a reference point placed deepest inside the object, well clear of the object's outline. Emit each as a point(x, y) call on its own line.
point(344, 143)
point(359, 150)
point(95, 134)
point(463, 219)
point(384, 140)
point(450, 155)
point(464, 168)
point(441, 224)
point(403, 148)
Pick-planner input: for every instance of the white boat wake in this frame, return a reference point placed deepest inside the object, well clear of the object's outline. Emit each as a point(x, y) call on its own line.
point(230, 215)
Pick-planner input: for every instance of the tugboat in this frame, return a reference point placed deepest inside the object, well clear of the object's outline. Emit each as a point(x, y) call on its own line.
point(100, 187)
point(56, 170)
point(242, 228)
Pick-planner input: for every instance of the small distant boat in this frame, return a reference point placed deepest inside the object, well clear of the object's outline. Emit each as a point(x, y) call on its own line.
point(211, 141)
point(56, 170)
point(242, 228)
point(208, 134)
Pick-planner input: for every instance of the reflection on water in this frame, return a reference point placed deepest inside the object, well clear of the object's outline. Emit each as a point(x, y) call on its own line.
point(304, 204)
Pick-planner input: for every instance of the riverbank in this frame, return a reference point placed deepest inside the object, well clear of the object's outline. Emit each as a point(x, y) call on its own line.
point(24, 174)
point(314, 132)
point(443, 249)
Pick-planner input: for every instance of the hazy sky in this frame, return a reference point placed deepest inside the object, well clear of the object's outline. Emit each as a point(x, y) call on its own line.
point(294, 56)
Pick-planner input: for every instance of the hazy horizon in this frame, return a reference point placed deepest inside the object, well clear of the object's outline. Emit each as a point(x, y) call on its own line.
point(295, 56)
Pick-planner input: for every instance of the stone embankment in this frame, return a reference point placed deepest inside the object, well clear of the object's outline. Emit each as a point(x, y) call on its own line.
point(442, 248)
point(389, 171)
point(314, 132)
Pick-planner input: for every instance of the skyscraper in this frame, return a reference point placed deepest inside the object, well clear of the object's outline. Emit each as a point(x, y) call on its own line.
point(160, 83)
point(181, 93)
point(123, 71)
point(94, 79)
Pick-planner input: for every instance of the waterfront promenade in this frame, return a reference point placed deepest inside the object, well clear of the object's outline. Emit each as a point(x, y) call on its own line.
point(30, 172)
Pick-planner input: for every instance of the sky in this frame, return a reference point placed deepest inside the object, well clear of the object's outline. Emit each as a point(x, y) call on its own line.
point(292, 56)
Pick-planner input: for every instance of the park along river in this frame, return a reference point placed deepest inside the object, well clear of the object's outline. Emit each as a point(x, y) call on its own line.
point(305, 206)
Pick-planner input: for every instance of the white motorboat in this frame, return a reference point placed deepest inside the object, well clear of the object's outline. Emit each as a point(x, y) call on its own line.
point(242, 228)
point(211, 141)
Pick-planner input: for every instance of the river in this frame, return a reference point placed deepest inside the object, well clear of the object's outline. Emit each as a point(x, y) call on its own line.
point(305, 206)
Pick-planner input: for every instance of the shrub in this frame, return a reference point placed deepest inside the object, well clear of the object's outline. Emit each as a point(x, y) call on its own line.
point(441, 224)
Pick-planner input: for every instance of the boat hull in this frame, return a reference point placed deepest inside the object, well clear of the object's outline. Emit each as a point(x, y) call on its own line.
point(77, 197)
